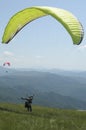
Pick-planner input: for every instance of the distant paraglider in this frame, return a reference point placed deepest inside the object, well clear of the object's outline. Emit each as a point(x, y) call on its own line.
point(6, 64)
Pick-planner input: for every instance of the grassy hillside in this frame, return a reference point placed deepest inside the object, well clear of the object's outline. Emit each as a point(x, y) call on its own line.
point(16, 117)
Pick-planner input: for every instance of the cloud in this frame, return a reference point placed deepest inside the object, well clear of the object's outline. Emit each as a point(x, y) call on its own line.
point(82, 47)
point(38, 57)
point(7, 53)
point(0, 59)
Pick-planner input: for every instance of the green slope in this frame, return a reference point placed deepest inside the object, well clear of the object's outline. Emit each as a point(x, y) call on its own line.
point(15, 117)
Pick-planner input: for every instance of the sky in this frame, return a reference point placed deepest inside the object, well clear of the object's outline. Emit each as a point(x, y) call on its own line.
point(44, 43)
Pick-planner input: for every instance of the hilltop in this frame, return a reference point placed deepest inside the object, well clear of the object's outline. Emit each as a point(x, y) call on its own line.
point(15, 117)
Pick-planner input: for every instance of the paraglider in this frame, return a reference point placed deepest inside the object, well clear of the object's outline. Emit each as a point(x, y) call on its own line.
point(28, 102)
point(23, 17)
point(6, 64)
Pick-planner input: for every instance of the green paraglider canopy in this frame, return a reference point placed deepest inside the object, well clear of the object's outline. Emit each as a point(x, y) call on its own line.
point(22, 18)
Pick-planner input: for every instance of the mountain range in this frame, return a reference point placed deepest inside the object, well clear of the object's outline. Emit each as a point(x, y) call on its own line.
point(52, 88)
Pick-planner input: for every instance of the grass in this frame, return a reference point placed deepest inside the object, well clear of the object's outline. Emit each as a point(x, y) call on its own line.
point(16, 117)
